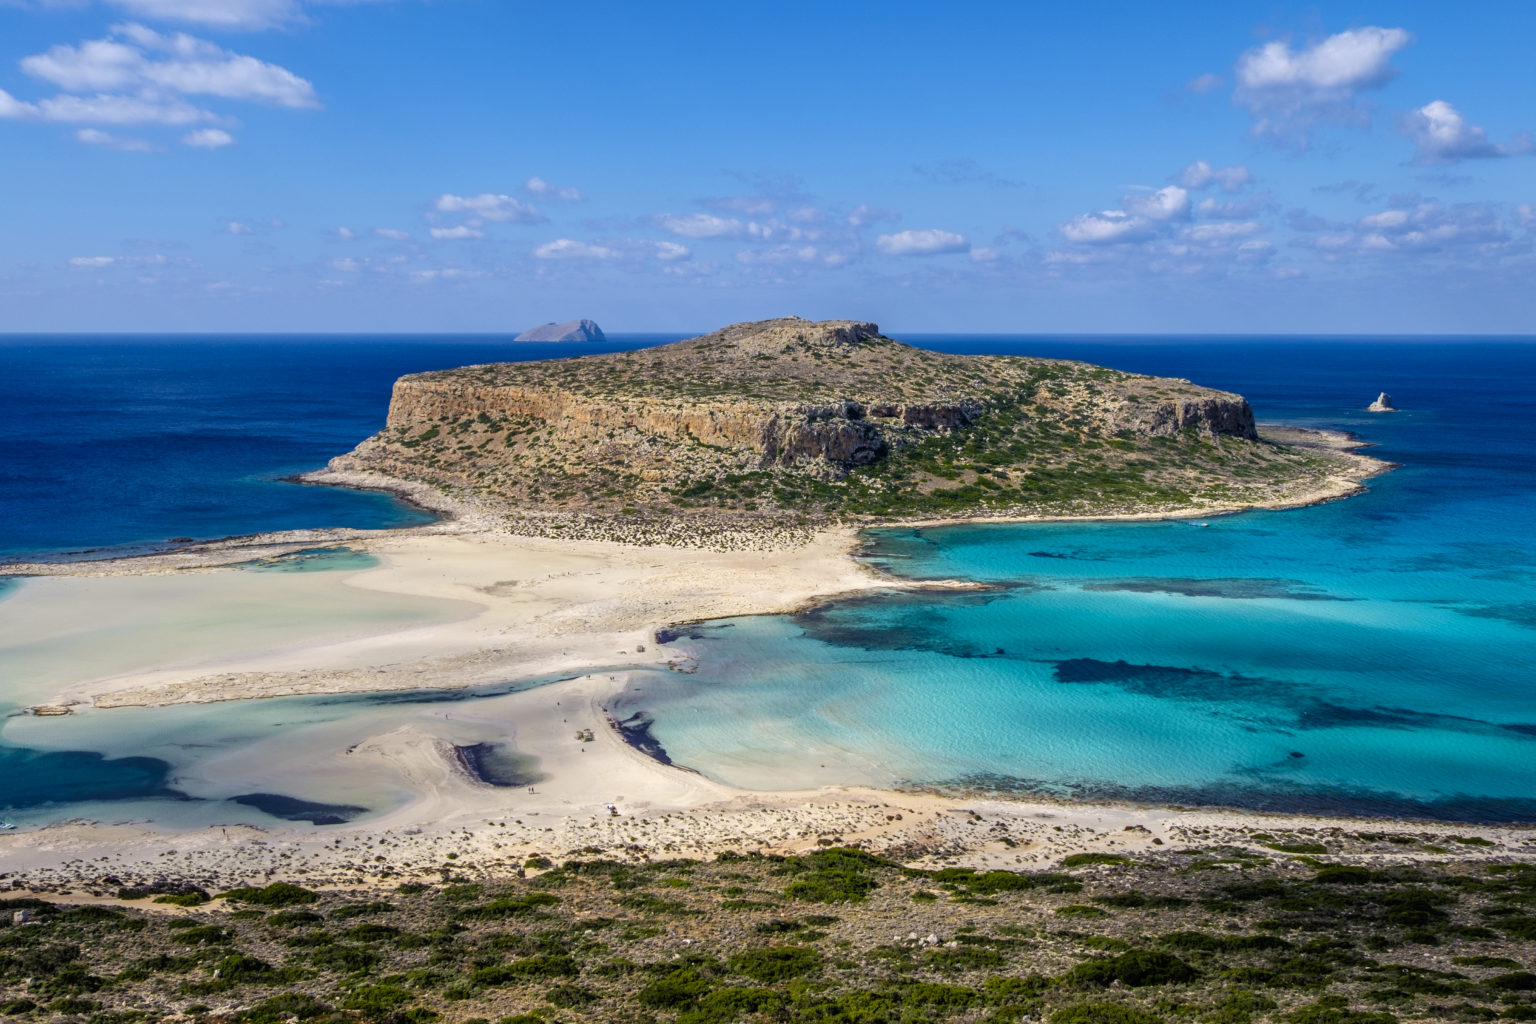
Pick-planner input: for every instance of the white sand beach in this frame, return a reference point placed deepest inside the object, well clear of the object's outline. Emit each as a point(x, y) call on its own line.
point(459, 605)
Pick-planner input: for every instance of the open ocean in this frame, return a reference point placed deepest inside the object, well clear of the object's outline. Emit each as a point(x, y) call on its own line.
point(1372, 655)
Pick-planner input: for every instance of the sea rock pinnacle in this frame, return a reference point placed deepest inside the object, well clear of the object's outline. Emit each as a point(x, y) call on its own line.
point(1383, 403)
point(571, 330)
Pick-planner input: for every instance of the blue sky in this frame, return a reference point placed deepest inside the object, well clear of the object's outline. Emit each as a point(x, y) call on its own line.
point(485, 165)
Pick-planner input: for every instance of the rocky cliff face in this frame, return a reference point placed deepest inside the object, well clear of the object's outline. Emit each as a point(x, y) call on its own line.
point(761, 415)
point(832, 438)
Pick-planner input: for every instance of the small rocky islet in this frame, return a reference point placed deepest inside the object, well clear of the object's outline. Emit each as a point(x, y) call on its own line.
point(789, 421)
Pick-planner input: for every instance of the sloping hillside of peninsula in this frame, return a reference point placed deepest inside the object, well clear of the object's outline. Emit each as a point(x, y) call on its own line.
point(791, 424)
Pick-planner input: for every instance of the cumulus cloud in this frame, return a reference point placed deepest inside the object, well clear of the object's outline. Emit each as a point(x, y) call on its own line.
point(458, 233)
point(91, 262)
point(1466, 230)
point(96, 137)
point(104, 109)
point(570, 249)
point(1442, 136)
point(1138, 219)
point(1200, 175)
point(394, 234)
point(136, 58)
point(671, 251)
point(544, 190)
point(1289, 90)
point(136, 75)
point(708, 225)
point(921, 242)
point(488, 206)
point(208, 138)
point(1105, 227)
point(1171, 203)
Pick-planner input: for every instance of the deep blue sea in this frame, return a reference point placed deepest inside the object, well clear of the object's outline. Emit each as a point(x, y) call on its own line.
point(1371, 655)
point(126, 443)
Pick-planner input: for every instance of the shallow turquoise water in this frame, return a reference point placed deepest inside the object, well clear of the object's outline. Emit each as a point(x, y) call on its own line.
point(1376, 654)
point(1371, 655)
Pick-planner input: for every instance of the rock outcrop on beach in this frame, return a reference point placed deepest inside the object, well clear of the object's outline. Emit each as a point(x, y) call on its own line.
point(571, 330)
point(813, 420)
point(1383, 403)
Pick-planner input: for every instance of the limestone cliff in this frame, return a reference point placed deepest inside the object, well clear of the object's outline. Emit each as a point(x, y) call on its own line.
point(828, 418)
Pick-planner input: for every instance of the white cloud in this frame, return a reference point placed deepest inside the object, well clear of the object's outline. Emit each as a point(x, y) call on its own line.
point(569, 249)
point(1469, 231)
point(208, 138)
point(1104, 227)
point(489, 206)
point(1200, 174)
point(96, 137)
point(922, 242)
point(236, 227)
point(1288, 91)
point(1170, 203)
point(456, 233)
point(130, 59)
point(394, 234)
point(1443, 136)
point(345, 234)
point(92, 262)
point(985, 255)
point(103, 109)
point(701, 225)
point(346, 265)
point(544, 190)
point(669, 251)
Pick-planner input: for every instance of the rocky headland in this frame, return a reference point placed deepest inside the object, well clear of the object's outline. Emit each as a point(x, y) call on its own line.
point(795, 424)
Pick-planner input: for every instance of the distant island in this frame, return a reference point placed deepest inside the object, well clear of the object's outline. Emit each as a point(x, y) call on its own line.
point(571, 330)
point(790, 423)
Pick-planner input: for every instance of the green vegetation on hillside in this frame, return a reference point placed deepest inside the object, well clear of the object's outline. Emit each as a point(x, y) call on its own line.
point(788, 421)
point(1218, 936)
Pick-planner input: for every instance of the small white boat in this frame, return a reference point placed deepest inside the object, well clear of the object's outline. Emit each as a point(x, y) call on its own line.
point(6, 826)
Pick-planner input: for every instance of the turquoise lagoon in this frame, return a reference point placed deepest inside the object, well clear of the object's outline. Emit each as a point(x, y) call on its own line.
point(1375, 655)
